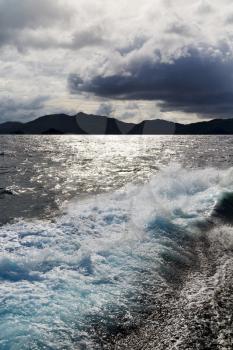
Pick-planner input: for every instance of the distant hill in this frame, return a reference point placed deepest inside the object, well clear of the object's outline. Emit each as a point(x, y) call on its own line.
point(85, 124)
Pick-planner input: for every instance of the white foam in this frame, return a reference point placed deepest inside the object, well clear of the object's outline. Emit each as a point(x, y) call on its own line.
point(99, 254)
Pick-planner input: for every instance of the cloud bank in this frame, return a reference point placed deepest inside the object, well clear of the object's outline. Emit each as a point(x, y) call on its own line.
point(198, 81)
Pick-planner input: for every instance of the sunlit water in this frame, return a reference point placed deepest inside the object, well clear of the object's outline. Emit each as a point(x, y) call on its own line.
point(95, 229)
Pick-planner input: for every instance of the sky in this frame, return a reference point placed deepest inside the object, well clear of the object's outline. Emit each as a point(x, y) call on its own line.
point(132, 60)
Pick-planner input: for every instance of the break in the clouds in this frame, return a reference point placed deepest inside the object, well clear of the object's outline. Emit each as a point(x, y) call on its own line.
point(133, 60)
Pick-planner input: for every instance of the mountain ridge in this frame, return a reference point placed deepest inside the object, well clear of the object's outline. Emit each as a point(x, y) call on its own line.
point(89, 124)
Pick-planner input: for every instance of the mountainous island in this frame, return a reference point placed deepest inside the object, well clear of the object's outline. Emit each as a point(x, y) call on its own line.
point(85, 124)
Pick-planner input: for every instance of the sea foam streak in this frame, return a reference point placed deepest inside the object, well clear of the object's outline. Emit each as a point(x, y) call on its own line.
point(95, 261)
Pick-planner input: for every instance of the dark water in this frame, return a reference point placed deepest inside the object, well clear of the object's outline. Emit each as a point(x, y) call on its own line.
point(99, 234)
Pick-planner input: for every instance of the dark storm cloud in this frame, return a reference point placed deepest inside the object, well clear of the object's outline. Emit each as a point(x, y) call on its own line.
point(195, 83)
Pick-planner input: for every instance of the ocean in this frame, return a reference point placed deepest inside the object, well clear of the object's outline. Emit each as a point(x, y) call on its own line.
point(116, 242)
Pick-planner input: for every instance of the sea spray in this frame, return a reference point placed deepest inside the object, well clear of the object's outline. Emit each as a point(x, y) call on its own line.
point(94, 263)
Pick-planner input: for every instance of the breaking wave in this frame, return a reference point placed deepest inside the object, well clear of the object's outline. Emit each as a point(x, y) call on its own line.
point(104, 261)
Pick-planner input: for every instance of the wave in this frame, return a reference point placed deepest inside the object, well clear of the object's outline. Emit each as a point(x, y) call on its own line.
point(105, 260)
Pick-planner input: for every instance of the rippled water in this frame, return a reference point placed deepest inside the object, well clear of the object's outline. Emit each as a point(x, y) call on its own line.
point(96, 229)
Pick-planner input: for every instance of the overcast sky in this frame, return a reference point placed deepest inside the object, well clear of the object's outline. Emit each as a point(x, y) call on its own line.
point(133, 60)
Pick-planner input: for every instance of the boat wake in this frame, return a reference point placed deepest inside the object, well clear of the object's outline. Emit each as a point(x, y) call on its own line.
point(108, 262)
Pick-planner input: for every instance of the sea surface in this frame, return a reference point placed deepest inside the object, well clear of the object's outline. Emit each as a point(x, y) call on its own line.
point(116, 242)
